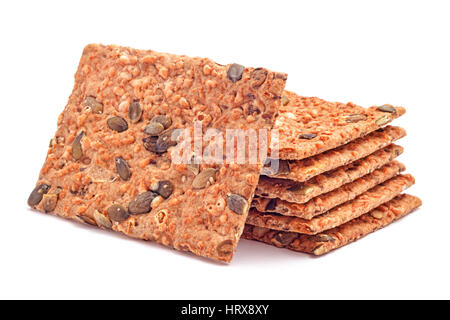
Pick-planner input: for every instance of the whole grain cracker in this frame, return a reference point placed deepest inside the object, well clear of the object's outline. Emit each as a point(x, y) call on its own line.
point(340, 236)
point(301, 192)
point(309, 126)
point(362, 204)
point(327, 201)
point(111, 158)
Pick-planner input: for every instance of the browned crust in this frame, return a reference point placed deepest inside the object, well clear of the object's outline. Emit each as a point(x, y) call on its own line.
point(302, 170)
point(340, 236)
point(328, 120)
point(327, 201)
point(341, 214)
point(185, 89)
point(301, 192)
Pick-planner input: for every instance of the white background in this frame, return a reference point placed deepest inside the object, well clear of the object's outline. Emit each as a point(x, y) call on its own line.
point(368, 52)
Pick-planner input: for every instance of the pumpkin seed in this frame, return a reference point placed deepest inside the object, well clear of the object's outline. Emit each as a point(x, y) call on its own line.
point(135, 111)
point(237, 203)
point(307, 136)
point(285, 238)
point(154, 128)
point(258, 77)
point(284, 100)
point(118, 124)
point(300, 188)
point(142, 203)
point(77, 149)
point(96, 107)
point(225, 248)
point(383, 120)
point(117, 213)
point(165, 188)
point(200, 181)
point(86, 219)
point(322, 238)
point(123, 169)
point(37, 194)
point(49, 202)
point(235, 72)
point(166, 121)
point(356, 117)
point(150, 143)
point(271, 205)
point(102, 220)
point(387, 108)
point(166, 140)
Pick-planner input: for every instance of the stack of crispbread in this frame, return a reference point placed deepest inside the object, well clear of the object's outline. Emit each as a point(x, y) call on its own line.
point(336, 180)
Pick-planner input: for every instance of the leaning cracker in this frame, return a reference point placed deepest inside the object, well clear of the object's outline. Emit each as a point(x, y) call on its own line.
point(302, 170)
point(301, 192)
point(111, 164)
point(339, 215)
point(340, 236)
point(327, 201)
point(309, 126)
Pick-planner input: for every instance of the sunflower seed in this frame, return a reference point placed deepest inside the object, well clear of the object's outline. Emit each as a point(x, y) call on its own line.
point(117, 213)
point(383, 120)
point(225, 248)
point(307, 136)
point(200, 181)
point(37, 194)
point(387, 108)
point(49, 202)
point(86, 219)
point(165, 188)
point(95, 106)
point(102, 220)
point(135, 111)
point(166, 121)
point(77, 149)
point(285, 238)
point(123, 169)
point(235, 72)
point(117, 124)
point(237, 203)
point(154, 128)
point(258, 77)
point(300, 188)
point(284, 100)
point(356, 117)
point(142, 203)
point(377, 214)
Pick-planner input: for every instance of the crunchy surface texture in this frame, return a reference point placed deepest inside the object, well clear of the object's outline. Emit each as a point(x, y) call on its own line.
point(341, 214)
point(301, 192)
point(302, 170)
point(327, 201)
point(340, 236)
point(103, 169)
point(309, 126)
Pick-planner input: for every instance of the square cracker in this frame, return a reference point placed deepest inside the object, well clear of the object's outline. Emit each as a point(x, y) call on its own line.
point(340, 236)
point(308, 125)
point(301, 192)
point(328, 201)
point(362, 204)
point(98, 169)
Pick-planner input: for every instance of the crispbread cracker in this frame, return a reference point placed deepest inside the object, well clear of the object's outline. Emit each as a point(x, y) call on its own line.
point(301, 192)
point(303, 170)
point(110, 163)
point(327, 201)
point(340, 236)
point(339, 215)
point(309, 126)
